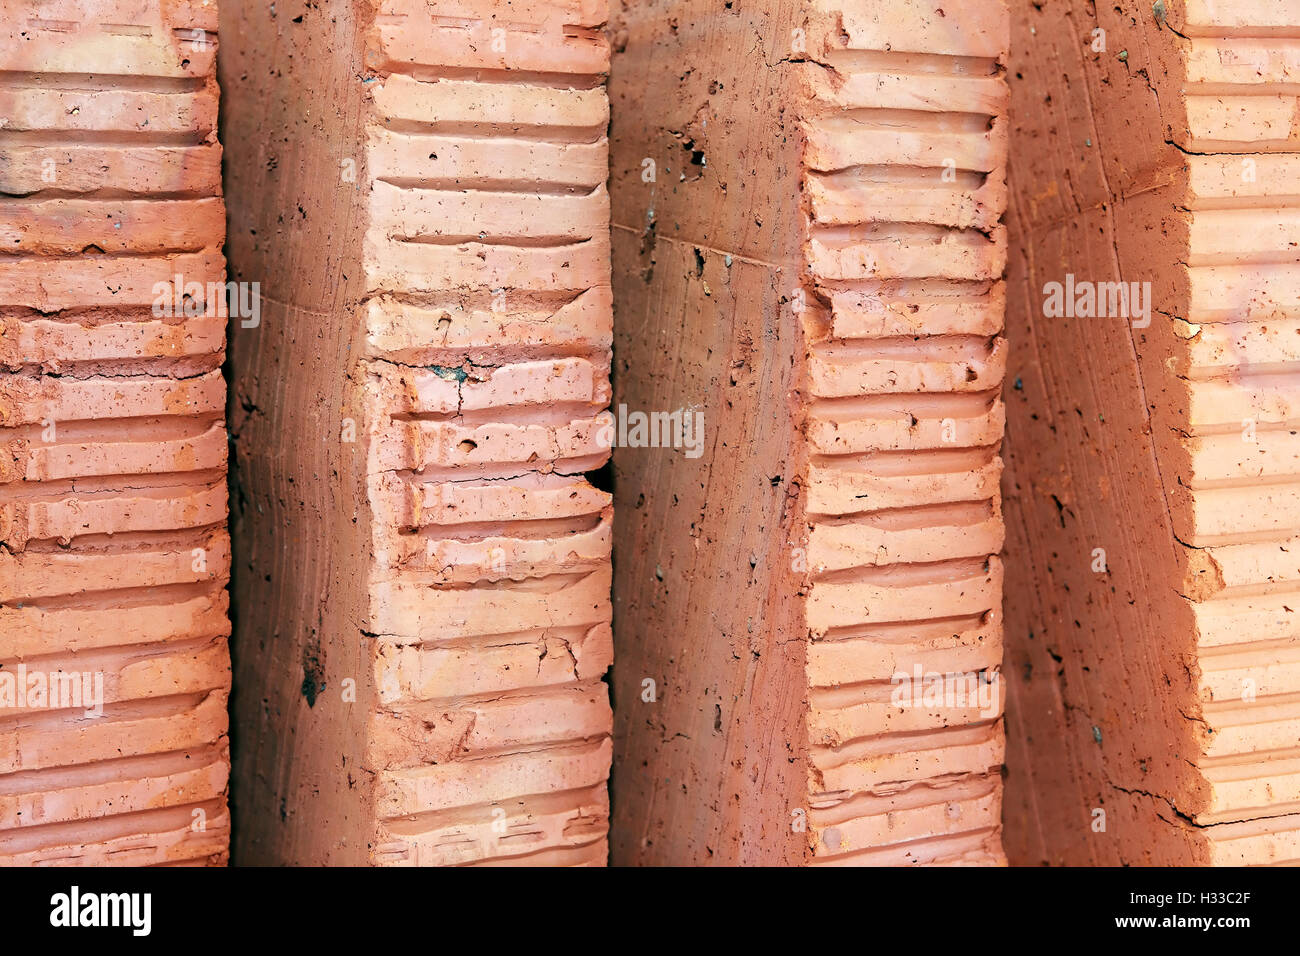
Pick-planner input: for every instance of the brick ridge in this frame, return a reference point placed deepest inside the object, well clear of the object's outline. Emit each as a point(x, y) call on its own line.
point(1235, 470)
point(486, 375)
point(904, 188)
point(114, 555)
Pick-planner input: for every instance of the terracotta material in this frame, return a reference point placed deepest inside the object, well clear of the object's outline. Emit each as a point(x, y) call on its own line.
point(1156, 683)
point(905, 184)
point(113, 550)
point(424, 613)
point(817, 264)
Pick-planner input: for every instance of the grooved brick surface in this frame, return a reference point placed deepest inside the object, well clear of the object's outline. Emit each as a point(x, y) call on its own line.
point(1238, 511)
point(905, 184)
point(478, 328)
point(487, 375)
point(113, 549)
point(1171, 697)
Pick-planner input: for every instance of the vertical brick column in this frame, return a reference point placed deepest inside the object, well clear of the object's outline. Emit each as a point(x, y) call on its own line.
point(1237, 501)
point(487, 322)
point(435, 376)
point(807, 243)
point(113, 549)
point(1155, 713)
point(904, 189)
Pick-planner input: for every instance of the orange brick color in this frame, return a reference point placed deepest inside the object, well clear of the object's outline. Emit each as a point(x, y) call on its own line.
point(113, 547)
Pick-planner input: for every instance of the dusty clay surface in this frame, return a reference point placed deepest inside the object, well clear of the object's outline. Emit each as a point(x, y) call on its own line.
point(1151, 484)
point(418, 421)
point(801, 270)
point(113, 550)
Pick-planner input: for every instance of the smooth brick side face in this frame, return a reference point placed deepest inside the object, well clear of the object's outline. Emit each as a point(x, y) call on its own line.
point(114, 555)
point(467, 556)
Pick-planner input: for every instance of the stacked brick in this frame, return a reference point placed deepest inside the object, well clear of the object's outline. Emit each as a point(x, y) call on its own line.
point(904, 188)
point(1236, 500)
point(488, 329)
point(113, 551)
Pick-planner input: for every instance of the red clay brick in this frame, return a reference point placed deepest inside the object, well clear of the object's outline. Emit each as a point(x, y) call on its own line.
point(817, 263)
point(457, 557)
point(1162, 689)
point(113, 549)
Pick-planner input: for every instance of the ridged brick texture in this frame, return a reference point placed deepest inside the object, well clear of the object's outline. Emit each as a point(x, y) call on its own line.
point(429, 564)
point(1163, 689)
point(488, 331)
point(904, 189)
point(113, 550)
point(1237, 508)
